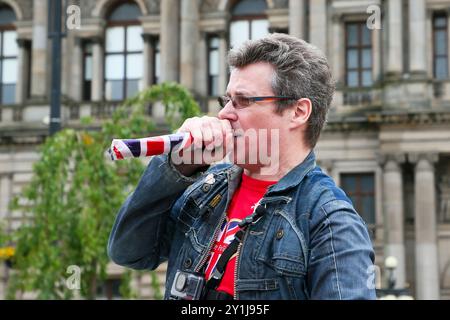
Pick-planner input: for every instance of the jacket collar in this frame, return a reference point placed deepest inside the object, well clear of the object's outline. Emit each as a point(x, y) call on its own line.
point(290, 180)
point(296, 175)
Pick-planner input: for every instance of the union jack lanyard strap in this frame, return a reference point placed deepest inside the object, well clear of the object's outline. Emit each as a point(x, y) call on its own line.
point(219, 270)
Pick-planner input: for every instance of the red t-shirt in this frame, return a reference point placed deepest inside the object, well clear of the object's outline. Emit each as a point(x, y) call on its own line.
point(242, 205)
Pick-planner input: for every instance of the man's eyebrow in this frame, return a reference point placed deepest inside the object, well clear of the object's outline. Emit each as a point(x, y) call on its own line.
point(239, 92)
point(242, 93)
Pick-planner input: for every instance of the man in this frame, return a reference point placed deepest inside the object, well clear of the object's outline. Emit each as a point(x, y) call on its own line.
point(287, 232)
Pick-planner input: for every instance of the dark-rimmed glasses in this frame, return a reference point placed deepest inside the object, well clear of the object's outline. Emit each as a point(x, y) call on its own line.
point(240, 101)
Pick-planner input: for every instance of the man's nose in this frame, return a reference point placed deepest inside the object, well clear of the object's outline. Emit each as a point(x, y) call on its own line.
point(228, 113)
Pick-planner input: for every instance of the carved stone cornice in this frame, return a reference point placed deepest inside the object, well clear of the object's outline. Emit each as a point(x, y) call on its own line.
point(426, 117)
point(359, 124)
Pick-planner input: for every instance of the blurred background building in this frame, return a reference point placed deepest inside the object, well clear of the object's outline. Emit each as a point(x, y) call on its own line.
point(387, 142)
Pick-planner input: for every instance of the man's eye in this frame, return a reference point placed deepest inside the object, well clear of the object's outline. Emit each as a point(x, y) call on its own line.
point(243, 101)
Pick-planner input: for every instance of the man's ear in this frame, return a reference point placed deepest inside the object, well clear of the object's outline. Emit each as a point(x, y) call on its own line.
point(300, 113)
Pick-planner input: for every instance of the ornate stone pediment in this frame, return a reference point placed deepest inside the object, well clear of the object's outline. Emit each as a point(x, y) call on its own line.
point(209, 5)
point(153, 6)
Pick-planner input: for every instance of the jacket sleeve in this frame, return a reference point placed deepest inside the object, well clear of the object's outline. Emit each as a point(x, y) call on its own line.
point(341, 254)
point(143, 229)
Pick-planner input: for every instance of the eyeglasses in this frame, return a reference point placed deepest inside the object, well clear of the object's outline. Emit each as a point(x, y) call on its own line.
point(240, 101)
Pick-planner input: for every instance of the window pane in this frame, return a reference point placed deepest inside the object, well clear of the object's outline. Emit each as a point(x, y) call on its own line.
point(114, 90)
point(249, 7)
point(115, 38)
point(88, 68)
point(367, 210)
point(7, 16)
point(214, 63)
point(260, 28)
point(9, 71)
point(352, 58)
point(348, 184)
point(125, 12)
point(157, 64)
point(441, 68)
point(213, 86)
point(10, 47)
point(115, 67)
point(440, 42)
point(134, 38)
point(440, 21)
point(352, 79)
point(366, 35)
point(367, 183)
point(367, 78)
point(8, 94)
point(135, 66)
point(367, 58)
point(87, 90)
point(239, 32)
point(352, 34)
point(132, 88)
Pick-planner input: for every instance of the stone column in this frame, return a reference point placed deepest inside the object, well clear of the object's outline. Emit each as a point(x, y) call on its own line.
point(201, 73)
point(427, 272)
point(337, 55)
point(297, 18)
point(22, 74)
point(189, 40)
point(417, 36)
point(318, 24)
point(223, 70)
point(5, 195)
point(376, 51)
point(97, 69)
point(169, 39)
point(148, 61)
point(39, 66)
point(395, 47)
point(76, 78)
point(394, 214)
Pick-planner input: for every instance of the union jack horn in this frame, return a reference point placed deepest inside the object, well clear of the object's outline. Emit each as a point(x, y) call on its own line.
point(151, 146)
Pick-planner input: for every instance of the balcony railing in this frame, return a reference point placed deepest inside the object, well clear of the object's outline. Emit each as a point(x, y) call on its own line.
point(370, 96)
point(70, 111)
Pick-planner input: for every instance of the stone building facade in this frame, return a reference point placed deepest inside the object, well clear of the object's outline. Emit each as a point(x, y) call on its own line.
point(387, 142)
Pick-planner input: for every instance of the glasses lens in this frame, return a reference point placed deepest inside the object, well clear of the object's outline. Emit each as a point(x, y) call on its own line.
point(242, 101)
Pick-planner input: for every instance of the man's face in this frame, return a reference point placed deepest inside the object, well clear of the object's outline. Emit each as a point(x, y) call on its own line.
point(253, 81)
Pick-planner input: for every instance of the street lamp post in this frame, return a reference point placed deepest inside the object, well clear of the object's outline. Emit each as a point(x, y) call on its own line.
point(391, 264)
point(391, 292)
point(55, 34)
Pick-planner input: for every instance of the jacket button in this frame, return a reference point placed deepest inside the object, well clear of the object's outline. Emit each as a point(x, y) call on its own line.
point(280, 234)
point(206, 187)
point(187, 263)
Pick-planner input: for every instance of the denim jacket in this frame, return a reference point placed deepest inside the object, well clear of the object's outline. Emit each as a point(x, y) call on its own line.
point(310, 244)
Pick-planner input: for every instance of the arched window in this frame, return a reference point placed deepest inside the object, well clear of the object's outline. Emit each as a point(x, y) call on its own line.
point(249, 21)
point(8, 56)
point(123, 53)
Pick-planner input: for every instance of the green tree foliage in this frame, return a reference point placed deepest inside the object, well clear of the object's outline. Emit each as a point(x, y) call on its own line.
point(75, 193)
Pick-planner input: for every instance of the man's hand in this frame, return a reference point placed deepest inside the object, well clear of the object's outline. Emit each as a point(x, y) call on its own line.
point(208, 133)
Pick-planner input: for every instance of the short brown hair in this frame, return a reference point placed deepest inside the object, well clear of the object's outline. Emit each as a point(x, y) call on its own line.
point(301, 71)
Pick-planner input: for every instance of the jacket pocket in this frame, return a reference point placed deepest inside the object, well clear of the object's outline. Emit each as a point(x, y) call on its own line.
point(283, 248)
